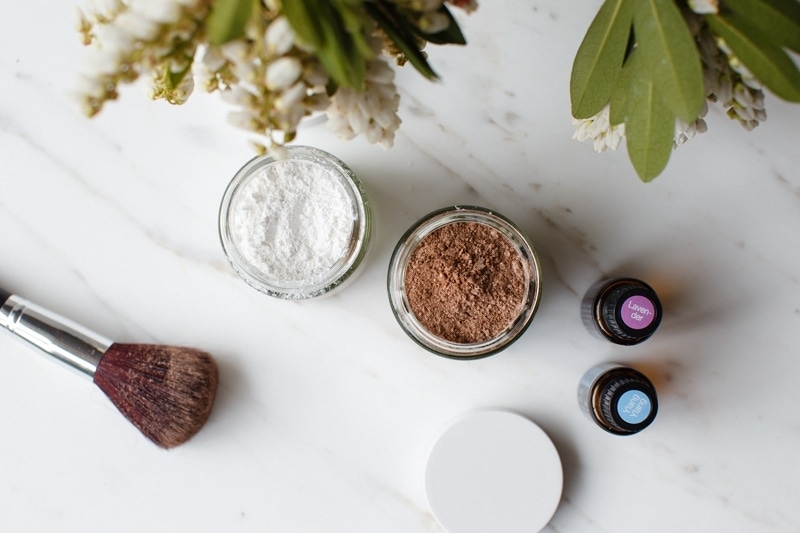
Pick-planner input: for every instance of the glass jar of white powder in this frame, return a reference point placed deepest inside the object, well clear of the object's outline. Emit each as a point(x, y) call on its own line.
point(296, 227)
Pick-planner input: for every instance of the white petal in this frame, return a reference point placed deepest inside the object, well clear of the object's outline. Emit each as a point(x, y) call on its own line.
point(374, 133)
point(358, 122)
point(379, 72)
point(283, 72)
point(138, 26)
point(279, 37)
point(599, 145)
point(213, 59)
point(160, 11)
point(238, 96)
point(291, 96)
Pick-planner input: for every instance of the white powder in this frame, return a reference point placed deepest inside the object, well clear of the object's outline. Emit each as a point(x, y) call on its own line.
point(293, 221)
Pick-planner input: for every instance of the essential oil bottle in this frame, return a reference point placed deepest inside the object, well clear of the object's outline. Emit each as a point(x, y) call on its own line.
point(624, 311)
point(619, 399)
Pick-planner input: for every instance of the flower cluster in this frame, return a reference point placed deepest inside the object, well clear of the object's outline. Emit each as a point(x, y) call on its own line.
point(603, 135)
point(273, 64)
point(599, 130)
point(268, 77)
point(371, 111)
point(159, 38)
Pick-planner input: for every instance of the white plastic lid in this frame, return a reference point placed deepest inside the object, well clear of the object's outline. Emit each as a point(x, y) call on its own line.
point(493, 471)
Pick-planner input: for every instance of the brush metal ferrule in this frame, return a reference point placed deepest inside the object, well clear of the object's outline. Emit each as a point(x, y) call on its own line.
point(63, 339)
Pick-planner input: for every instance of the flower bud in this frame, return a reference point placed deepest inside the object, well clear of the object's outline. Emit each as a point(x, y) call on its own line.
point(283, 72)
point(291, 97)
point(279, 37)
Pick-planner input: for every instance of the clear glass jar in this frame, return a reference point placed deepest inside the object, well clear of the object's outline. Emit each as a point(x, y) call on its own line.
point(397, 282)
point(256, 226)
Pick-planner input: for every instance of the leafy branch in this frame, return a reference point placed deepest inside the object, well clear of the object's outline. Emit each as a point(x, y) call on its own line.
point(641, 67)
point(336, 31)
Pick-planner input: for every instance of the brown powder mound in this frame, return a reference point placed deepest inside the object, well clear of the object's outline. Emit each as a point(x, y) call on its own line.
point(465, 282)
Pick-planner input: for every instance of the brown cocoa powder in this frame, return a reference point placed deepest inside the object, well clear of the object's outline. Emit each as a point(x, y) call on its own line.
point(465, 282)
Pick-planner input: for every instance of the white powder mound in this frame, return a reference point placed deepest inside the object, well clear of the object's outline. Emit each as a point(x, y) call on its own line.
point(293, 221)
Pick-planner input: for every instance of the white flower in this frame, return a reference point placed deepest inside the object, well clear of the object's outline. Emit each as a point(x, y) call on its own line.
point(114, 45)
point(159, 11)
point(183, 91)
point(703, 7)
point(138, 26)
point(283, 72)
point(747, 106)
point(279, 37)
point(737, 65)
point(730, 83)
point(685, 131)
point(291, 97)
point(372, 111)
point(154, 37)
point(600, 131)
point(603, 135)
point(213, 60)
point(235, 51)
point(239, 96)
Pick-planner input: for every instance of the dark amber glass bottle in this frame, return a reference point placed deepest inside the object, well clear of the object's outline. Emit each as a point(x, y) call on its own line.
point(624, 311)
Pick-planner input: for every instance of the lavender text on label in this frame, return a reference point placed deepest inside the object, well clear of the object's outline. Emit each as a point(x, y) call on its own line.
point(639, 312)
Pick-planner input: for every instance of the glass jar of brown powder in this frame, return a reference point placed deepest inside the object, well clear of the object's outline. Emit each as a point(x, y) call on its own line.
point(464, 282)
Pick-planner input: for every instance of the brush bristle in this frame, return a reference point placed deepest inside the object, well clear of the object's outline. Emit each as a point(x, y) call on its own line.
point(165, 391)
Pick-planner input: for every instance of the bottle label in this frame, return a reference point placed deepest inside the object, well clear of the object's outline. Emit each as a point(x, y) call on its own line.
point(634, 406)
point(638, 312)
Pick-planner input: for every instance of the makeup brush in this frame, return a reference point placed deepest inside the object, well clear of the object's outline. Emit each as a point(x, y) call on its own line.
point(165, 391)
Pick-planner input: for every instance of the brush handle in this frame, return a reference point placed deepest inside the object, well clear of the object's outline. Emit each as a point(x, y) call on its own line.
point(63, 339)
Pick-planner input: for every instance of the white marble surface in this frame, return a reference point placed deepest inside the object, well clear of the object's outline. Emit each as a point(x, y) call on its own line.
point(326, 409)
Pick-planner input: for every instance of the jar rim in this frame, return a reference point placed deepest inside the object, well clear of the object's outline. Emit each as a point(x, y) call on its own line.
point(424, 227)
point(342, 270)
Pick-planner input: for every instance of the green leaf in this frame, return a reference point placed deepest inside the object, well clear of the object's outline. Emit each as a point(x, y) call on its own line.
point(765, 60)
point(340, 56)
point(649, 126)
point(227, 19)
point(301, 17)
point(789, 8)
point(397, 28)
point(599, 58)
point(450, 35)
point(669, 50)
point(334, 30)
point(618, 102)
point(175, 78)
point(354, 18)
point(778, 20)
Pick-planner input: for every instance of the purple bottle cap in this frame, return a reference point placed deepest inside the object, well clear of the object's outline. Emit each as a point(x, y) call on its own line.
point(630, 310)
point(638, 312)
